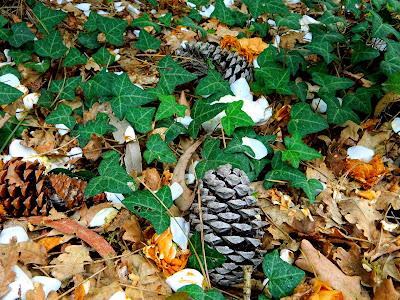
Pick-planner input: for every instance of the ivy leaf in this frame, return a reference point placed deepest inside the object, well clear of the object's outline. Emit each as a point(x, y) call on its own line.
point(169, 107)
point(297, 151)
point(166, 19)
point(99, 127)
point(62, 115)
point(282, 171)
point(292, 59)
point(47, 18)
point(143, 21)
point(127, 95)
point(147, 41)
point(393, 83)
point(329, 18)
point(74, 57)
point(186, 21)
point(362, 52)
point(304, 121)
point(291, 20)
point(339, 113)
point(3, 21)
point(99, 86)
point(275, 77)
point(88, 39)
point(21, 34)
point(323, 48)
point(223, 13)
point(172, 74)
point(380, 29)
point(8, 94)
point(39, 67)
point(212, 84)
point(174, 130)
point(259, 7)
point(391, 64)
point(152, 208)
point(141, 118)
point(300, 89)
point(330, 84)
point(51, 46)
point(283, 277)
point(103, 57)
point(158, 150)
point(113, 29)
point(360, 100)
point(65, 88)
point(45, 99)
point(113, 178)
point(235, 117)
point(20, 56)
point(197, 293)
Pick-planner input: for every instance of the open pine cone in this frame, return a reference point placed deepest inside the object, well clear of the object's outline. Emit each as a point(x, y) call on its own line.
point(25, 190)
point(231, 222)
point(195, 57)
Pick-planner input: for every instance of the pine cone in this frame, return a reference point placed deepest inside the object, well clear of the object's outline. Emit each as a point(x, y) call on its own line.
point(231, 222)
point(195, 56)
point(25, 190)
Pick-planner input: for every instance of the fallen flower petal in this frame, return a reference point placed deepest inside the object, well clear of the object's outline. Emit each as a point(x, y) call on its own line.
point(17, 233)
point(185, 277)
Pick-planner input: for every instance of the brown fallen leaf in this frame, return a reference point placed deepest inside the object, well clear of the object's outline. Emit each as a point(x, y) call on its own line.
point(386, 291)
point(8, 259)
point(368, 174)
point(313, 261)
point(384, 102)
point(152, 179)
point(4, 119)
point(93, 150)
point(36, 294)
point(70, 262)
point(50, 242)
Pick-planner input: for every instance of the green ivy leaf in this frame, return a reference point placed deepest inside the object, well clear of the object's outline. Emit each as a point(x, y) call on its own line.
point(223, 13)
point(47, 18)
point(275, 77)
point(99, 86)
point(8, 94)
point(39, 67)
point(126, 95)
point(304, 121)
point(74, 57)
point(213, 83)
point(99, 127)
point(297, 151)
point(300, 89)
point(339, 113)
point(259, 7)
point(152, 208)
point(169, 107)
point(360, 100)
point(330, 84)
point(166, 19)
point(235, 117)
point(20, 56)
point(65, 88)
point(197, 293)
point(157, 149)
point(103, 57)
point(292, 59)
point(329, 18)
point(186, 21)
point(283, 277)
point(322, 48)
point(362, 52)
point(144, 21)
point(141, 118)
point(50, 46)
point(113, 29)
point(393, 83)
point(113, 178)
point(172, 75)
point(45, 99)
point(91, 23)
point(3, 21)
point(88, 39)
point(21, 34)
point(62, 115)
point(391, 64)
point(147, 41)
point(292, 20)
point(174, 130)
point(380, 29)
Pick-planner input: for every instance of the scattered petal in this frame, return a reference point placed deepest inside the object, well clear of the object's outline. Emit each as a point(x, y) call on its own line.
point(388, 226)
point(10, 79)
point(49, 284)
point(114, 197)
point(287, 255)
point(361, 153)
point(103, 217)
point(17, 233)
point(21, 284)
point(17, 150)
point(185, 277)
point(30, 100)
point(129, 135)
point(396, 125)
point(319, 105)
point(62, 129)
point(180, 231)
point(120, 295)
point(176, 190)
point(259, 149)
point(75, 152)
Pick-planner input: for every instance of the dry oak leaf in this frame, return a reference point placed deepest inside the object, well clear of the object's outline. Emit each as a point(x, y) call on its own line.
point(152, 179)
point(385, 101)
point(70, 262)
point(93, 150)
point(8, 259)
point(368, 174)
point(314, 262)
point(290, 39)
point(386, 291)
point(166, 255)
point(322, 291)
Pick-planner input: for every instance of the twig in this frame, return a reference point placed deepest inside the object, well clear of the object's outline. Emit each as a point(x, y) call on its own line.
point(247, 271)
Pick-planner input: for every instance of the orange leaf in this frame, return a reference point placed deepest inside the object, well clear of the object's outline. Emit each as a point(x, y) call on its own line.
point(248, 48)
point(50, 242)
point(322, 291)
point(369, 173)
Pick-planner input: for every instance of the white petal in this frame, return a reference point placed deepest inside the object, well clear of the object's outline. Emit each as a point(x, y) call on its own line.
point(185, 277)
point(75, 152)
point(360, 152)
point(83, 6)
point(23, 89)
point(7, 55)
point(120, 295)
point(49, 284)
point(62, 129)
point(259, 110)
point(258, 148)
point(133, 9)
point(319, 105)
point(396, 125)
point(21, 284)
point(185, 121)
point(190, 178)
point(104, 216)
point(17, 233)
point(10, 79)
point(389, 226)
point(307, 20)
point(114, 197)
point(129, 134)
point(180, 231)
point(255, 64)
point(190, 4)
point(206, 12)
point(241, 89)
point(287, 255)
point(17, 150)
point(229, 3)
point(20, 113)
point(176, 190)
point(271, 22)
point(307, 37)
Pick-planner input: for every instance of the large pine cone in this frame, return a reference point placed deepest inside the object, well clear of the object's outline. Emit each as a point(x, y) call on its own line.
point(195, 58)
point(231, 222)
point(25, 190)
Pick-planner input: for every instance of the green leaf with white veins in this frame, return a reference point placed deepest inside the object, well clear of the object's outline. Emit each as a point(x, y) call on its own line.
point(147, 41)
point(62, 115)
point(259, 7)
point(98, 127)
point(283, 277)
point(330, 84)
point(143, 21)
point(113, 29)
point(74, 57)
point(213, 83)
point(51, 46)
point(47, 18)
point(20, 35)
point(126, 95)
point(141, 118)
point(339, 113)
point(8, 94)
point(391, 64)
point(297, 150)
point(157, 149)
point(197, 293)
point(113, 178)
point(223, 13)
point(304, 121)
point(380, 29)
point(322, 48)
point(235, 117)
point(362, 52)
point(291, 20)
point(103, 57)
point(169, 107)
point(65, 88)
point(275, 77)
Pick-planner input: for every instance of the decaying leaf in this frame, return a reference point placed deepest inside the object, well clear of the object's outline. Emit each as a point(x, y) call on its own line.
point(386, 291)
point(322, 291)
point(248, 48)
point(152, 179)
point(368, 174)
point(70, 262)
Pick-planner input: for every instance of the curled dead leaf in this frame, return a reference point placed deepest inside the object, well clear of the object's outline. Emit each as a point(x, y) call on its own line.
point(246, 47)
point(152, 179)
point(368, 174)
point(323, 291)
